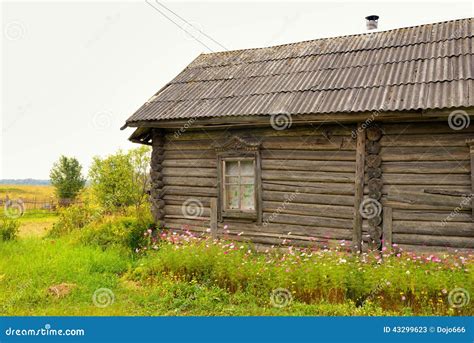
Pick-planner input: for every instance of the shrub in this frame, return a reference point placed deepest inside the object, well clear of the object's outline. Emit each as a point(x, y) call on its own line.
point(9, 229)
point(127, 232)
point(74, 217)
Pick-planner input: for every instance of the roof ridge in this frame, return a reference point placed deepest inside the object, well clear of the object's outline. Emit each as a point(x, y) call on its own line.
point(334, 37)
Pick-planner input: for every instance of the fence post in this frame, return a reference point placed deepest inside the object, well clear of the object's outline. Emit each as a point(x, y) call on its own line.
point(213, 221)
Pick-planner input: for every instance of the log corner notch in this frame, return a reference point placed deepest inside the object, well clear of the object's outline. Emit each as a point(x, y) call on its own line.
point(470, 143)
point(156, 187)
point(359, 188)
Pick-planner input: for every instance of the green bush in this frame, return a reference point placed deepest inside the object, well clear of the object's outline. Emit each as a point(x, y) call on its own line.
point(9, 229)
point(74, 217)
point(127, 232)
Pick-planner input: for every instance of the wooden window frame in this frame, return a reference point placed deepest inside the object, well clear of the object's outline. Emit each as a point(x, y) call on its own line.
point(238, 149)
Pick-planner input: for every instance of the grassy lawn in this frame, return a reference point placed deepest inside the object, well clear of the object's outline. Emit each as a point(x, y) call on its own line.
point(91, 264)
point(188, 276)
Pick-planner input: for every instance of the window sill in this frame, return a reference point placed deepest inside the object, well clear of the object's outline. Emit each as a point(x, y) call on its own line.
point(240, 215)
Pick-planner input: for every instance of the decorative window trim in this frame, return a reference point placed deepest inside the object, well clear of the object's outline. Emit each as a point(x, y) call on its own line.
point(234, 149)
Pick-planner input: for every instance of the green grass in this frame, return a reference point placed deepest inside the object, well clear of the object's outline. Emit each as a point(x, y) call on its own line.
point(193, 277)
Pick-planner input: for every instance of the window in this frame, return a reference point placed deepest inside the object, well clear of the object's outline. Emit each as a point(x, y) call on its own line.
point(239, 184)
point(239, 180)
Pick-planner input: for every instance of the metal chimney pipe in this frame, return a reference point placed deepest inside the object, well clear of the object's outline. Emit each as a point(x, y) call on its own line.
point(372, 22)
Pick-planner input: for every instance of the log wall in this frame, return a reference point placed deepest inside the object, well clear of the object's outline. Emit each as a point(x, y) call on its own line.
point(308, 184)
point(426, 174)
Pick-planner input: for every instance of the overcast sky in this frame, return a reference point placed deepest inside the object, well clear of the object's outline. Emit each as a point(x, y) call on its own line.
point(72, 72)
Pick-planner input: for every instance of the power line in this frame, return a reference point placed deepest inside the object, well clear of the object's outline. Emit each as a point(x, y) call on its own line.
point(171, 20)
point(194, 27)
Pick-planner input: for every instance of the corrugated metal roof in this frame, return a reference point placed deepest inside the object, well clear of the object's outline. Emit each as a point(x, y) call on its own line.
point(422, 67)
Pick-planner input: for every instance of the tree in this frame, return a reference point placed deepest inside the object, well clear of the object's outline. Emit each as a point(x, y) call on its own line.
point(67, 178)
point(121, 179)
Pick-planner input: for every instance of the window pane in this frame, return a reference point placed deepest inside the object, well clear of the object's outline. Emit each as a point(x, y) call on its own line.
point(248, 197)
point(232, 168)
point(232, 195)
point(247, 167)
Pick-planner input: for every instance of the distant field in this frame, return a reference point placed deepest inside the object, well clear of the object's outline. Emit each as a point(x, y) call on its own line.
point(29, 192)
point(35, 221)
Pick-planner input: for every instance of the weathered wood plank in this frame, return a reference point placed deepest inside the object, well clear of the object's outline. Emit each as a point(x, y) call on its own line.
point(190, 181)
point(434, 228)
point(426, 179)
point(190, 191)
point(431, 240)
point(426, 140)
point(415, 215)
point(359, 189)
point(310, 187)
point(304, 198)
point(191, 163)
point(305, 165)
point(309, 209)
point(428, 199)
point(387, 226)
point(213, 220)
point(187, 172)
point(285, 175)
point(423, 167)
point(315, 155)
point(424, 154)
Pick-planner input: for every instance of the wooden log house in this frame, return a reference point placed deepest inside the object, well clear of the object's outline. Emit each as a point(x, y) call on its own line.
point(365, 138)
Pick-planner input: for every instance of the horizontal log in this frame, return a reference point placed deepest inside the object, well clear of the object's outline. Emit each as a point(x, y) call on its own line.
point(346, 212)
point(426, 179)
point(187, 211)
point(187, 172)
point(423, 167)
point(315, 155)
point(427, 140)
point(410, 215)
point(285, 231)
point(424, 153)
point(303, 198)
point(425, 128)
point(190, 191)
point(434, 228)
point(310, 187)
point(189, 154)
point(307, 176)
point(293, 131)
point(190, 181)
point(425, 188)
point(430, 240)
point(191, 163)
point(429, 199)
point(305, 165)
